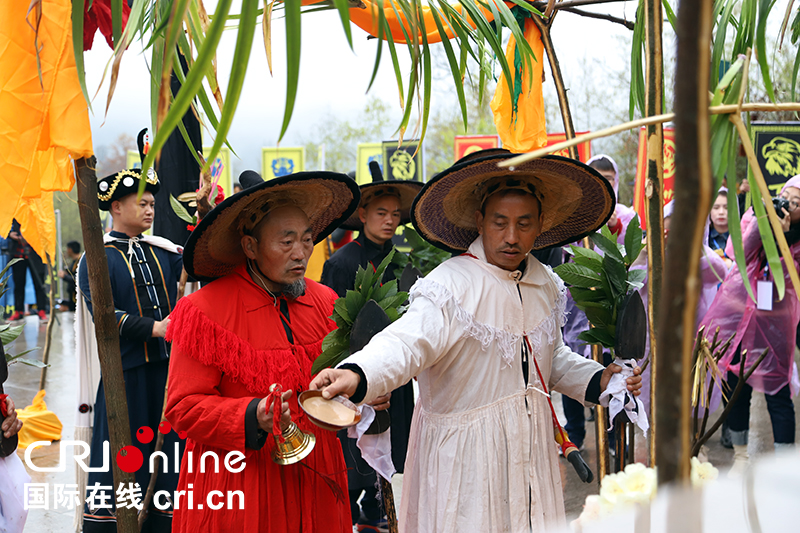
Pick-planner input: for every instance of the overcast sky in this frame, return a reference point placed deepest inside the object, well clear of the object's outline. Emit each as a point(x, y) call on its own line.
point(333, 78)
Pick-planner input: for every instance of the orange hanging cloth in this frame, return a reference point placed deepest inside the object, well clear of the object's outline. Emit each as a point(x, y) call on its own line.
point(44, 123)
point(519, 117)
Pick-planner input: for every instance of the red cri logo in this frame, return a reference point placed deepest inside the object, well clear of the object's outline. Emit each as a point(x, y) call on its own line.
point(130, 458)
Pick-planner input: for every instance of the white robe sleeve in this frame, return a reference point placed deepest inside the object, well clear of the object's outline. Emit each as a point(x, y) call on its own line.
point(571, 373)
point(413, 343)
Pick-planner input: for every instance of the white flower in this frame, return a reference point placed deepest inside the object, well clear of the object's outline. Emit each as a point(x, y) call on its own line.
point(702, 473)
point(611, 489)
point(639, 483)
point(594, 509)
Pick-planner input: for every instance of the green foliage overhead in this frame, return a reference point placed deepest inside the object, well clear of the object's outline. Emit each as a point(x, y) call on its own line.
point(368, 286)
point(184, 24)
point(600, 283)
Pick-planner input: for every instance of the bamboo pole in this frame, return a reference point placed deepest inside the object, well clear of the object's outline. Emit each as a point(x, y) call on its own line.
point(600, 418)
point(48, 338)
point(654, 194)
point(693, 183)
point(106, 331)
point(634, 124)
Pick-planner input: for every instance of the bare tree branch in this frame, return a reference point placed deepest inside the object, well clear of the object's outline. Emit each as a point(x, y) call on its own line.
point(627, 23)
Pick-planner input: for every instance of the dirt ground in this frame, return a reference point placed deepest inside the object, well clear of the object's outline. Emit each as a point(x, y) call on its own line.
point(61, 390)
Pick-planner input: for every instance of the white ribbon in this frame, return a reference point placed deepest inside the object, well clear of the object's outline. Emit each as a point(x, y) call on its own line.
point(617, 396)
point(132, 241)
point(375, 449)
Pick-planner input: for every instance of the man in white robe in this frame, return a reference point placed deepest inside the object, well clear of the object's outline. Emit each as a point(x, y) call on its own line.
point(481, 452)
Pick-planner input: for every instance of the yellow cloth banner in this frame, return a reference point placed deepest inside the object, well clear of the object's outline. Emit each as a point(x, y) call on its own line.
point(523, 131)
point(43, 122)
point(38, 423)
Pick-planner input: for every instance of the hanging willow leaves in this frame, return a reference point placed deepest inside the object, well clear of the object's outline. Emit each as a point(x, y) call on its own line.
point(244, 45)
point(719, 42)
point(190, 88)
point(764, 8)
point(344, 13)
point(116, 21)
point(454, 67)
point(77, 46)
point(770, 248)
point(795, 37)
point(170, 42)
point(638, 90)
point(292, 11)
point(120, 45)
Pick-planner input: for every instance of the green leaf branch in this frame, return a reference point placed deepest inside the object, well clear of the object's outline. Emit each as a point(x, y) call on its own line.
point(599, 283)
point(368, 286)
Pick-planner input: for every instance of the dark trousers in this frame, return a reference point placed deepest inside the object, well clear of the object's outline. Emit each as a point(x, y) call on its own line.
point(780, 407)
point(576, 420)
point(19, 270)
point(370, 504)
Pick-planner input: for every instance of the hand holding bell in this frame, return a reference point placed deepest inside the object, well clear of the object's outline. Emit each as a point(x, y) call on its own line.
point(291, 444)
point(266, 411)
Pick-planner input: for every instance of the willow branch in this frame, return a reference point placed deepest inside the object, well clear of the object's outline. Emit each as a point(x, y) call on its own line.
point(574, 3)
point(627, 23)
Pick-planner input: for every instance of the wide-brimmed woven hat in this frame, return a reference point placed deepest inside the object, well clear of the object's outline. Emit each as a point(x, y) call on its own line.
point(405, 190)
point(576, 200)
point(214, 248)
point(120, 184)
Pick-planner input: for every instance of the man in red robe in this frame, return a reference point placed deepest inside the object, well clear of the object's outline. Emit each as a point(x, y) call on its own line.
point(260, 322)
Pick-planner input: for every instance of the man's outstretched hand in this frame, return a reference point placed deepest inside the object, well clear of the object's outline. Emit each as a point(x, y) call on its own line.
point(333, 381)
point(634, 382)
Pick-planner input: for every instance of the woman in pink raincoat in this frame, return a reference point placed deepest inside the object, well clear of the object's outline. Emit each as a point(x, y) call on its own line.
point(607, 167)
point(733, 311)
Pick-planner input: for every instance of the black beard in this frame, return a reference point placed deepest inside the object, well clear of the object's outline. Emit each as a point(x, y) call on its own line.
point(294, 290)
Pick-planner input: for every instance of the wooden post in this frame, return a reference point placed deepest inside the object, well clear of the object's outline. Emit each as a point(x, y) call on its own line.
point(106, 329)
point(693, 184)
point(49, 332)
point(654, 193)
point(600, 419)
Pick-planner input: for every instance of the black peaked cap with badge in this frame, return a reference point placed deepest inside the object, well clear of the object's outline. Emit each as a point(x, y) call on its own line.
point(125, 182)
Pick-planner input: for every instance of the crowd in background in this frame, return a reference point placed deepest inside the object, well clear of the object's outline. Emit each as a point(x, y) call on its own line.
point(28, 285)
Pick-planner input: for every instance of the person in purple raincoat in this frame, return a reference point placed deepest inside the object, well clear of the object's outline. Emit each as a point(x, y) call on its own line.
point(607, 167)
point(756, 327)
